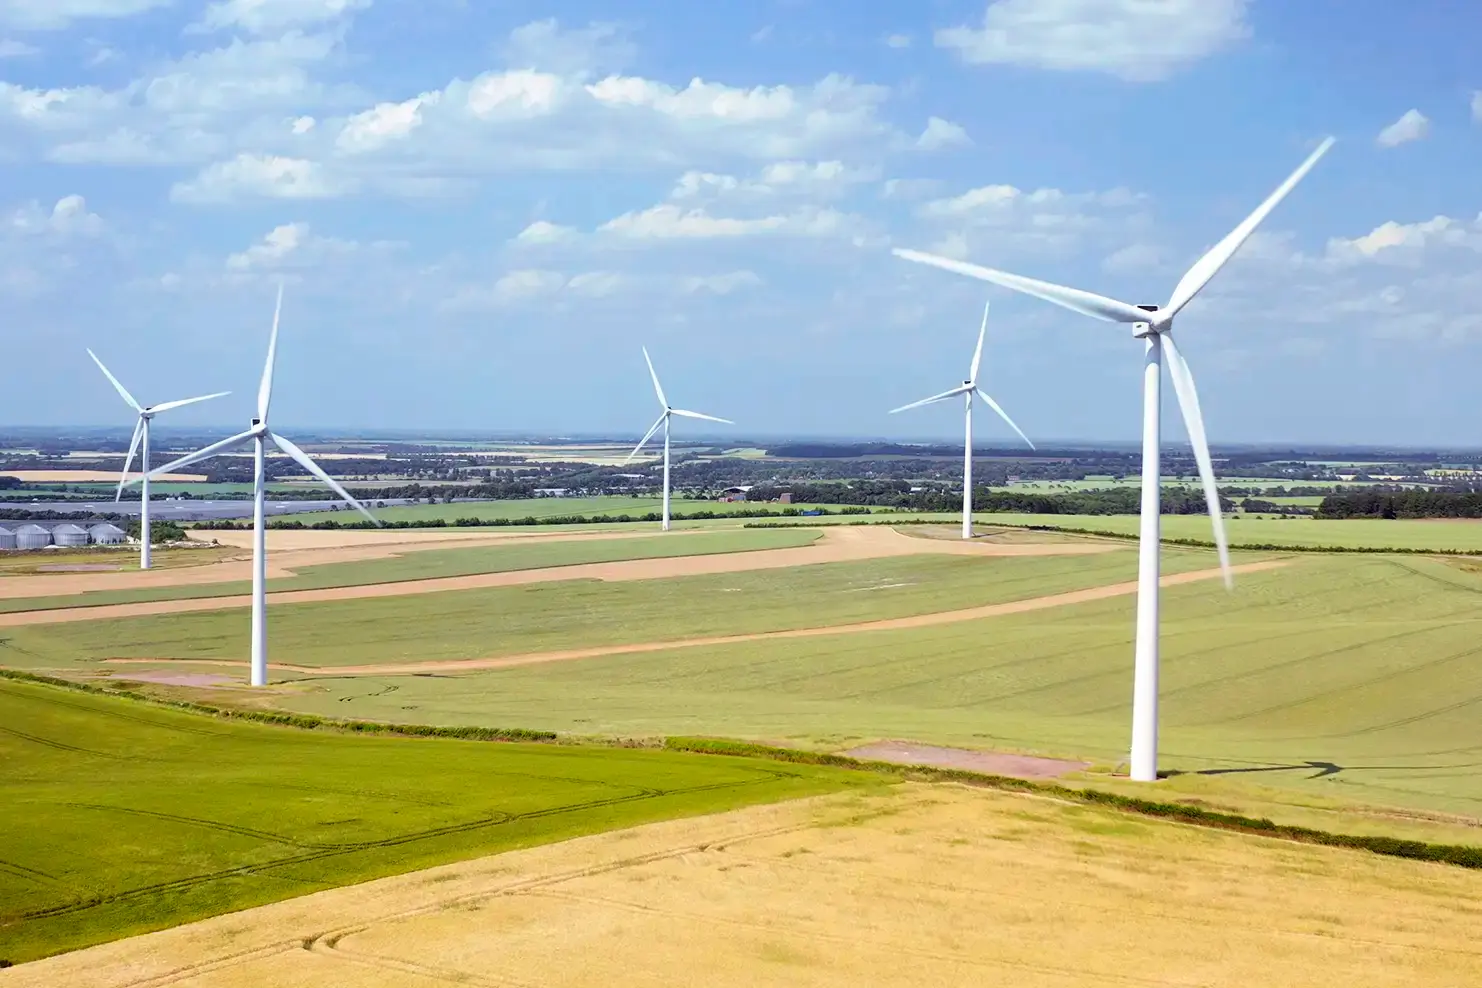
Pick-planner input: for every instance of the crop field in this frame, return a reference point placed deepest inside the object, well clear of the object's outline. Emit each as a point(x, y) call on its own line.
point(431, 564)
point(123, 817)
point(517, 620)
point(549, 507)
point(1350, 677)
point(867, 887)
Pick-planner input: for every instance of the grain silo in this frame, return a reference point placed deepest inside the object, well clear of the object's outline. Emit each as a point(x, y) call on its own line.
point(69, 535)
point(7, 538)
point(32, 537)
point(106, 533)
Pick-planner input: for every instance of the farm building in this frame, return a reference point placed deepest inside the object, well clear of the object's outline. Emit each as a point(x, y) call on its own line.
point(734, 493)
point(69, 535)
point(7, 538)
point(105, 533)
point(32, 537)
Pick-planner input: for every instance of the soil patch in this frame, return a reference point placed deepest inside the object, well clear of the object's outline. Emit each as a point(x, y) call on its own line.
point(994, 763)
point(80, 568)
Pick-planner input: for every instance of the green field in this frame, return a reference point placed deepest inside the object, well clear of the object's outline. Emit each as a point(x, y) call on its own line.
point(551, 507)
point(430, 564)
point(466, 624)
point(1357, 677)
point(122, 818)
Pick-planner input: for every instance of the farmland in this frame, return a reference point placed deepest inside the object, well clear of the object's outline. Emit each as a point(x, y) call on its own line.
point(552, 507)
point(203, 816)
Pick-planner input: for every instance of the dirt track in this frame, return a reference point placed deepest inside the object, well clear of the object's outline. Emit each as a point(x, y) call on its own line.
point(906, 887)
point(888, 624)
point(837, 545)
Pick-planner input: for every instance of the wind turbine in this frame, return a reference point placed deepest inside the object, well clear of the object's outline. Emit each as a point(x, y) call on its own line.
point(1154, 325)
point(141, 432)
point(260, 435)
point(663, 420)
point(967, 390)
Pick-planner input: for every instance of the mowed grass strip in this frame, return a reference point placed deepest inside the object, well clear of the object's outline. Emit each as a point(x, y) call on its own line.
point(465, 624)
point(1353, 677)
point(122, 817)
point(430, 564)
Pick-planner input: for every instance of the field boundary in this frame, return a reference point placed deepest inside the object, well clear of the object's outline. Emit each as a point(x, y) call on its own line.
point(1458, 855)
point(1182, 542)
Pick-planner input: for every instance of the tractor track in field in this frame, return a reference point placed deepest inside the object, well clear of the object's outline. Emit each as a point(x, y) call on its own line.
point(888, 624)
point(837, 545)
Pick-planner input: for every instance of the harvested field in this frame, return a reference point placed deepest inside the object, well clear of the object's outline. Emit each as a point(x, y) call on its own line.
point(836, 545)
point(911, 886)
point(990, 762)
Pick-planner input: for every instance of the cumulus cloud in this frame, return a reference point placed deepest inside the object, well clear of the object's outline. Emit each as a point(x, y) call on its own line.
point(279, 243)
point(1407, 243)
point(270, 16)
point(50, 15)
point(546, 45)
point(667, 221)
point(1412, 126)
point(596, 284)
point(544, 232)
point(940, 134)
point(264, 176)
point(383, 123)
point(68, 217)
point(1135, 40)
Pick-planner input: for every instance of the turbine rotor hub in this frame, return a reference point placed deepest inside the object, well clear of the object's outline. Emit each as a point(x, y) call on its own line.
point(1154, 326)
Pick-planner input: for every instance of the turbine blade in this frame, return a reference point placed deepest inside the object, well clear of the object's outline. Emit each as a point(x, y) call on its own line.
point(1207, 266)
point(1188, 403)
point(658, 390)
point(934, 398)
point(186, 401)
point(129, 460)
point(204, 453)
point(699, 415)
point(646, 437)
point(265, 389)
point(117, 387)
point(315, 470)
point(1002, 414)
point(1086, 303)
point(972, 375)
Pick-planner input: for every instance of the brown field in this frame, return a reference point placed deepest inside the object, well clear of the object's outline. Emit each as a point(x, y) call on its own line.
point(836, 545)
point(913, 885)
point(85, 476)
point(567, 655)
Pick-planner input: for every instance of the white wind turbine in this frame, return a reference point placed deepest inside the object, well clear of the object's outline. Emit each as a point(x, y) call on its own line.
point(969, 388)
point(259, 435)
point(1154, 325)
point(663, 420)
point(141, 432)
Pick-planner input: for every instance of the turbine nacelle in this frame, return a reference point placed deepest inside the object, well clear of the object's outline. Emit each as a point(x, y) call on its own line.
point(1141, 330)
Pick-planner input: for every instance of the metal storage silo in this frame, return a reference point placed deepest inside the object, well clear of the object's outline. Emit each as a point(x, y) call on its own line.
point(69, 535)
point(7, 538)
point(32, 537)
point(105, 533)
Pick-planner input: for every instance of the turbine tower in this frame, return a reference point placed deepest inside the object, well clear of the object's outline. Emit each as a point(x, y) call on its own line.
point(141, 433)
point(663, 420)
point(260, 435)
point(1154, 325)
point(967, 390)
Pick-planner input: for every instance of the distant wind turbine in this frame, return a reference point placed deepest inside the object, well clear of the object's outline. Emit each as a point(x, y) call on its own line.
point(259, 435)
point(663, 420)
point(1154, 325)
point(968, 389)
point(141, 432)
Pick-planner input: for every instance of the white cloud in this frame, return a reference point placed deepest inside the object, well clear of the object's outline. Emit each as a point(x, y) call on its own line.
point(940, 134)
point(822, 179)
point(596, 284)
point(527, 283)
point(1406, 243)
point(1135, 40)
point(68, 217)
point(898, 40)
point(279, 243)
point(721, 284)
point(1000, 219)
point(1412, 126)
point(270, 16)
point(302, 125)
point(543, 232)
point(544, 45)
point(514, 95)
point(45, 15)
point(1477, 106)
point(10, 48)
point(667, 221)
point(384, 123)
point(249, 175)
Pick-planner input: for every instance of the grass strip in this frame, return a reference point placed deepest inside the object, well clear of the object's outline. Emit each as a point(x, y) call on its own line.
point(1460, 855)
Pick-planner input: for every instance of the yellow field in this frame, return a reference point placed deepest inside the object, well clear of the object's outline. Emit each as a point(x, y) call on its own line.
point(913, 885)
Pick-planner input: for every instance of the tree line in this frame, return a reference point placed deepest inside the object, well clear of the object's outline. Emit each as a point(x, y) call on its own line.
point(1402, 504)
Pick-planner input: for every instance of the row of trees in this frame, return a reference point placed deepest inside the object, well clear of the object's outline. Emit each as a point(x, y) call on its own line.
point(1404, 504)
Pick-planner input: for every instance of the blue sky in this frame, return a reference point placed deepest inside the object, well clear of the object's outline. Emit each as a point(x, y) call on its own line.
point(482, 210)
